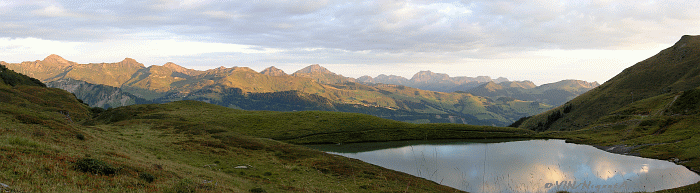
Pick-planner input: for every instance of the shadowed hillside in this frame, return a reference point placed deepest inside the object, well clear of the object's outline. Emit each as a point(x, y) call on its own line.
point(672, 70)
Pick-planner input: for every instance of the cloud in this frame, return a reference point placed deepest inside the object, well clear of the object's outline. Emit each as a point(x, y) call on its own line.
point(388, 26)
point(54, 11)
point(445, 34)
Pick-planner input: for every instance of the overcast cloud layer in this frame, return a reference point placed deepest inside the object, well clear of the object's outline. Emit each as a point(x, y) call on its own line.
point(543, 41)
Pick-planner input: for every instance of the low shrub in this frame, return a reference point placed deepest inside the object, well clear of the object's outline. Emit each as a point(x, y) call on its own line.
point(80, 136)
point(147, 177)
point(257, 190)
point(95, 166)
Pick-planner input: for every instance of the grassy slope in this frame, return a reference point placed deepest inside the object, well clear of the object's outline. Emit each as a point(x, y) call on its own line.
point(671, 70)
point(295, 127)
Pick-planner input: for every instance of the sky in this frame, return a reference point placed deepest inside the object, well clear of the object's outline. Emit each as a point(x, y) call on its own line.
point(542, 40)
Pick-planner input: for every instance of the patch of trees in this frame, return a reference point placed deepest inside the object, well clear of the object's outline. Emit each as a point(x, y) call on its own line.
point(552, 118)
point(519, 121)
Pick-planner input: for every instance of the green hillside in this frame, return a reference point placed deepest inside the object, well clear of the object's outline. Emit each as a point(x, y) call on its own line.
point(672, 70)
point(12, 78)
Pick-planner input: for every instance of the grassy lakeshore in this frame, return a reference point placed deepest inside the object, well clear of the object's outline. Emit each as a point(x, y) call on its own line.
point(658, 127)
point(678, 143)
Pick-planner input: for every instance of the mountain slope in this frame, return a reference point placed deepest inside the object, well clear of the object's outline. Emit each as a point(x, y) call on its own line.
point(321, 74)
point(180, 71)
point(154, 78)
point(97, 95)
point(672, 70)
point(52, 66)
point(555, 94)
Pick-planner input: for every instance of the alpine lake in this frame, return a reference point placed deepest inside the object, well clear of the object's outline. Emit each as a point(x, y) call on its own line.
point(515, 165)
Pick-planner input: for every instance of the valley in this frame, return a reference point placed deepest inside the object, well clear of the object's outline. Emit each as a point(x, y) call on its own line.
point(179, 144)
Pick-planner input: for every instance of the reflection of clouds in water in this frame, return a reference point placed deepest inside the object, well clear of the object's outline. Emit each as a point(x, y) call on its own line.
point(526, 166)
point(644, 169)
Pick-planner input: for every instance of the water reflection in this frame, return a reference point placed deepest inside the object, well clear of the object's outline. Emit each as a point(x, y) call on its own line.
point(521, 166)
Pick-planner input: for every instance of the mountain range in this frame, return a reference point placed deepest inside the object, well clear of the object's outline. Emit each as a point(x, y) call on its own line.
point(427, 80)
point(312, 88)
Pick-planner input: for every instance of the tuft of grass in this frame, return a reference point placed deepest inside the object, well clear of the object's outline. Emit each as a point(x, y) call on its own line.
point(21, 141)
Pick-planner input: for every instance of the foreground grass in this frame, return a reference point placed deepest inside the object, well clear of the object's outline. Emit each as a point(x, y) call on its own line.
point(148, 159)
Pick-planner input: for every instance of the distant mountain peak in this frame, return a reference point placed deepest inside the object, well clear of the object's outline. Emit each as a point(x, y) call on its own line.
point(427, 75)
point(131, 62)
point(501, 79)
point(55, 59)
point(312, 69)
point(492, 86)
point(365, 79)
point(173, 66)
point(272, 71)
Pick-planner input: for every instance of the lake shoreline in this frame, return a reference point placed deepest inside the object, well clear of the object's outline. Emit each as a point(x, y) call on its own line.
point(547, 148)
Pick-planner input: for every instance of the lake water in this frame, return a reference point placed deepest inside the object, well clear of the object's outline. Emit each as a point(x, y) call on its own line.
point(520, 166)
